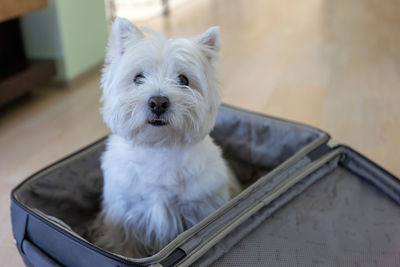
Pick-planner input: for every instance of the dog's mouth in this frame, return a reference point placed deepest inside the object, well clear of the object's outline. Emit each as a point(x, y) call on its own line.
point(158, 122)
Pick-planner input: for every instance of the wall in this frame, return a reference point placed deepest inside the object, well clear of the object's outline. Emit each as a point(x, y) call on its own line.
point(72, 32)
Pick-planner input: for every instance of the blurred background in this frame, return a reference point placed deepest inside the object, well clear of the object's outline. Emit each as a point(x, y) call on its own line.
point(332, 64)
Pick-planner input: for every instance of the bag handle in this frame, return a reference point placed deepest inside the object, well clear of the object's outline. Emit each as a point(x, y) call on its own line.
point(37, 256)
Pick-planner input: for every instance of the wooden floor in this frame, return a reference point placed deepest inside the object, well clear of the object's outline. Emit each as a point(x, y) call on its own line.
point(334, 64)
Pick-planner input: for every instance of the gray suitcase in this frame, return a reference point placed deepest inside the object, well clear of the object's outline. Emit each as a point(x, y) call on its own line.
point(308, 202)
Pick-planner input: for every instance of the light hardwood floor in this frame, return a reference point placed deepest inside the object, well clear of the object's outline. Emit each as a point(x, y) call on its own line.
point(330, 64)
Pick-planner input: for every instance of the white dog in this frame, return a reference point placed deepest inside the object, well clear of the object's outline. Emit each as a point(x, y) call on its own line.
point(162, 171)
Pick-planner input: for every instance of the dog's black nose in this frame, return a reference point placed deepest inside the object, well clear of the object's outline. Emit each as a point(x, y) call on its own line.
point(158, 104)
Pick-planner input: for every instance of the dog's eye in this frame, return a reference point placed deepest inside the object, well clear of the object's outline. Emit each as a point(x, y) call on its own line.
point(183, 80)
point(139, 78)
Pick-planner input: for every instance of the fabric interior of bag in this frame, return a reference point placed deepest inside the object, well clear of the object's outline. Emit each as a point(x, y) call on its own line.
point(339, 221)
point(252, 144)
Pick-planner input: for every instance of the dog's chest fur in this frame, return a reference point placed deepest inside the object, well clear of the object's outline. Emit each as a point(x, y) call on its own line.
point(159, 192)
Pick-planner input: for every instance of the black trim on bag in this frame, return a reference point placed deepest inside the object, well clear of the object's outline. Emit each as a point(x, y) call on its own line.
point(319, 152)
point(173, 258)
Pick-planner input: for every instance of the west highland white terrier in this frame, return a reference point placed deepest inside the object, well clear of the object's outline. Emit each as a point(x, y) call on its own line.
point(162, 171)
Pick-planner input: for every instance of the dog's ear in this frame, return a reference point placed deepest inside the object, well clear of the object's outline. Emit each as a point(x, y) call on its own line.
point(210, 42)
point(122, 32)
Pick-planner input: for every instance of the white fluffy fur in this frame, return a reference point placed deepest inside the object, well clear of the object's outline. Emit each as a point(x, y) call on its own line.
point(159, 181)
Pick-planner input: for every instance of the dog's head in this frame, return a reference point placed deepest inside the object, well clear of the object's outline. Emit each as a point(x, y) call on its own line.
point(157, 90)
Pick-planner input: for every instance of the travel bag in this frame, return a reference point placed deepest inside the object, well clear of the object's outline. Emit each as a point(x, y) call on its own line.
point(307, 201)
